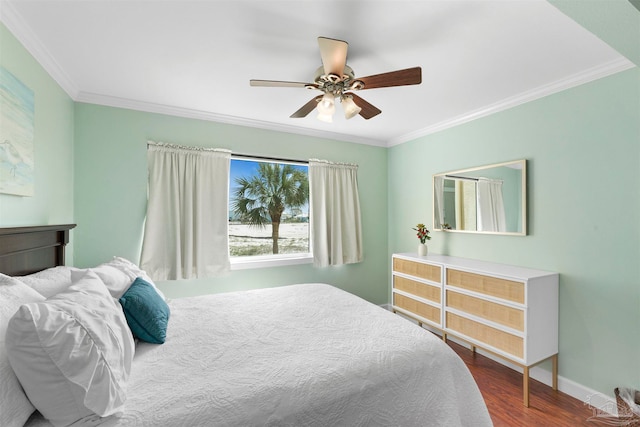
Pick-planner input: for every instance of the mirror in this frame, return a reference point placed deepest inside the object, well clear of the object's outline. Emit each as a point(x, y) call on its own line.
point(488, 199)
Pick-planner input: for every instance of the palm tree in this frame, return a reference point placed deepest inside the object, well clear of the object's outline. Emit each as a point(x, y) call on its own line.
point(263, 197)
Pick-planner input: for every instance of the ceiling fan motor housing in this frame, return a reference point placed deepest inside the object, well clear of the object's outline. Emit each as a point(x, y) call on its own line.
point(333, 83)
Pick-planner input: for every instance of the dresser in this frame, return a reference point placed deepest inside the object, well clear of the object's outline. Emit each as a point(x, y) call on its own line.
point(509, 311)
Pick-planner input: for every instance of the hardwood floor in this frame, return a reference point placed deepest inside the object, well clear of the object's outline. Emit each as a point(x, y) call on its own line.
point(501, 388)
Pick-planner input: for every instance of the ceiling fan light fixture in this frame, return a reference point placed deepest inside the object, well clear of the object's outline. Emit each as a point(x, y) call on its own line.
point(325, 117)
point(350, 108)
point(326, 108)
point(327, 104)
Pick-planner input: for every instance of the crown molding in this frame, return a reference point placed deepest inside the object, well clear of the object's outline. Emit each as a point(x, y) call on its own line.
point(595, 73)
point(130, 104)
point(21, 31)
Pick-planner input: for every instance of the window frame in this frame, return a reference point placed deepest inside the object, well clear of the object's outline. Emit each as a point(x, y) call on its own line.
point(270, 260)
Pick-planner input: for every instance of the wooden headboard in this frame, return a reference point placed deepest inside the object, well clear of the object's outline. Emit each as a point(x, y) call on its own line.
point(26, 250)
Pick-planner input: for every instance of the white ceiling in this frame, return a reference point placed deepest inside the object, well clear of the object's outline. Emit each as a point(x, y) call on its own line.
point(195, 58)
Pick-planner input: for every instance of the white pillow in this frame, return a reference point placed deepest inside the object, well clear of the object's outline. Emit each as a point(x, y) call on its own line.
point(118, 275)
point(15, 408)
point(72, 353)
point(50, 281)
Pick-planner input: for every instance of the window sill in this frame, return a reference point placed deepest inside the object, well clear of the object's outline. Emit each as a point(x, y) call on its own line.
point(247, 262)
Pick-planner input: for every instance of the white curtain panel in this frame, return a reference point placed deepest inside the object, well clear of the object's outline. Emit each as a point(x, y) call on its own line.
point(465, 205)
point(335, 213)
point(491, 216)
point(186, 230)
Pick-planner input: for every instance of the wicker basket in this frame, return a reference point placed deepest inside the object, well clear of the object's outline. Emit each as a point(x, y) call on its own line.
point(628, 415)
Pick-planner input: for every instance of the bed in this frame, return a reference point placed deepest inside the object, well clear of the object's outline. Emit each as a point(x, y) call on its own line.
point(297, 355)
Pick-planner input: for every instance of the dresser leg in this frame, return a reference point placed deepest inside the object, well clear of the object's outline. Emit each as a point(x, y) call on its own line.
point(525, 385)
point(554, 371)
point(444, 337)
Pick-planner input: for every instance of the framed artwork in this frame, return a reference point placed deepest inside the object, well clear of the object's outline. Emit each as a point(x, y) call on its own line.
point(16, 136)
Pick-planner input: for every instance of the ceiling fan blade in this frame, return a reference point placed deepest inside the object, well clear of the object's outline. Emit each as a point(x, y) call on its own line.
point(334, 55)
point(306, 108)
point(275, 83)
point(368, 111)
point(409, 76)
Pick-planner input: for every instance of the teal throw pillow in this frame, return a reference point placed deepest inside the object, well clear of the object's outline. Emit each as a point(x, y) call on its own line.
point(146, 312)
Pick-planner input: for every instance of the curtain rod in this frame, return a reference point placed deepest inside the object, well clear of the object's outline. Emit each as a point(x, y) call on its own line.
point(279, 159)
point(466, 178)
point(234, 155)
point(327, 162)
point(461, 177)
point(246, 156)
point(275, 159)
point(185, 147)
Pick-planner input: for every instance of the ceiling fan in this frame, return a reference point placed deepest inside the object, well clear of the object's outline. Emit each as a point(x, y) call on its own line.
point(338, 82)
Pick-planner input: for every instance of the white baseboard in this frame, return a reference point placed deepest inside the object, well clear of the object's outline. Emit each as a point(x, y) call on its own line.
point(386, 307)
point(599, 402)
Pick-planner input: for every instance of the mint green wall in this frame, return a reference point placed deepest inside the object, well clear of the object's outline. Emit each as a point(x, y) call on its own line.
point(617, 22)
point(53, 144)
point(111, 185)
point(583, 152)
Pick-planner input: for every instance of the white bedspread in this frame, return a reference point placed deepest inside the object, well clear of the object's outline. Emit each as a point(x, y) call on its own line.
point(302, 355)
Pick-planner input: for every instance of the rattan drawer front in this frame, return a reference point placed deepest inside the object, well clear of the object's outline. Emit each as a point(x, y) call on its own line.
point(493, 286)
point(417, 307)
point(486, 334)
point(507, 316)
point(432, 293)
point(418, 269)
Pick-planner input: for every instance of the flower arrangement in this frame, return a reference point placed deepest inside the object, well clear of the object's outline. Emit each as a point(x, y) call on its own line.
point(423, 233)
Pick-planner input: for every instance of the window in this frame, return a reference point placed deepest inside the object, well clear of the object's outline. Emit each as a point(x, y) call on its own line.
point(268, 212)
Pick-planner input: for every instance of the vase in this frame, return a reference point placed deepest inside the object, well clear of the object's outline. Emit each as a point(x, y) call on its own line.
point(422, 249)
